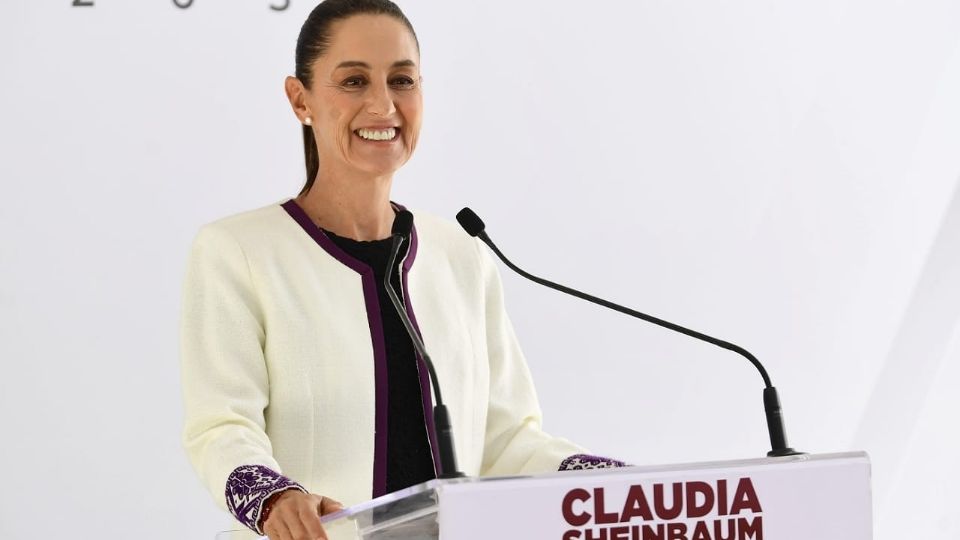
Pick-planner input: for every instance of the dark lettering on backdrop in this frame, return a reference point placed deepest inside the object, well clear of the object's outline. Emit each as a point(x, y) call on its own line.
point(276, 5)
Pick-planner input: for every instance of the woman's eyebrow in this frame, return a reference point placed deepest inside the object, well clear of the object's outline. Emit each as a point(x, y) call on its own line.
point(358, 63)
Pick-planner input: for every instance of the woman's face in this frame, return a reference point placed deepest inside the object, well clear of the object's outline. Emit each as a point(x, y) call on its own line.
point(365, 101)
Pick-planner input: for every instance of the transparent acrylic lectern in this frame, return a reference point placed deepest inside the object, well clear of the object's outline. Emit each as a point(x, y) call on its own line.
point(409, 513)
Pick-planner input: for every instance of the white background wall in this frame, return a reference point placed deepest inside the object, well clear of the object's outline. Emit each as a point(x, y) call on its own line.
point(783, 175)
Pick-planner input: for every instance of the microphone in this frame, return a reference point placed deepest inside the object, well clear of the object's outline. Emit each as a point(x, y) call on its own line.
point(475, 227)
point(402, 225)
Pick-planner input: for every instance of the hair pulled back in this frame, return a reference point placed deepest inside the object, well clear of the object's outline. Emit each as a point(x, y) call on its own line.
point(313, 42)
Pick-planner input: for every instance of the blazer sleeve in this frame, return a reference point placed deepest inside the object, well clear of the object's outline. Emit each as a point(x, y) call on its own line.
point(514, 440)
point(224, 379)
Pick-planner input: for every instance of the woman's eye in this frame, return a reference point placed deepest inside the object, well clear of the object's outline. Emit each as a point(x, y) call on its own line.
point(354, 82)
point(402, 82)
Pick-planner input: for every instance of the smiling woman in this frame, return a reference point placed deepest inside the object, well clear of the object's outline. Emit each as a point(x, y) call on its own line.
point(360, 84)
point(299, 380)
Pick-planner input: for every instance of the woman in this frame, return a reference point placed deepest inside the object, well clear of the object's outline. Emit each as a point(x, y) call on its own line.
point(299, 382)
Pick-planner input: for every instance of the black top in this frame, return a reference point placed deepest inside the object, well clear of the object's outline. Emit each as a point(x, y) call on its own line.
point(409, 459)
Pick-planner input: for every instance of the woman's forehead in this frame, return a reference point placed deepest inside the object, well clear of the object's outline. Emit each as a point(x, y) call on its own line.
point(371, 41)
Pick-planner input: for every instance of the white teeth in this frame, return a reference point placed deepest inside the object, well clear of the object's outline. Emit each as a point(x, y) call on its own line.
point(377, 134)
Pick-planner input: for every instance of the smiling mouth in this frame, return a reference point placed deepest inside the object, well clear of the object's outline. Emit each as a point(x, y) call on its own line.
point(373, 135)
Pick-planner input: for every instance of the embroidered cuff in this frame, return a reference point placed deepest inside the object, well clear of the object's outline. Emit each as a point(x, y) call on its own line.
point(585, 461)
point(248, 487)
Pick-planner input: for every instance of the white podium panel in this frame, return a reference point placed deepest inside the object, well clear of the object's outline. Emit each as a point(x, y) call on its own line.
point(823, 497)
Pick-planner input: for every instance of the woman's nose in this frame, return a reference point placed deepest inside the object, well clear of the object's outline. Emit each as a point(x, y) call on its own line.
point(379, 101)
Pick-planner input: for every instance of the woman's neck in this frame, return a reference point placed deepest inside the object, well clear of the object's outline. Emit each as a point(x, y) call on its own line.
point(350, 206)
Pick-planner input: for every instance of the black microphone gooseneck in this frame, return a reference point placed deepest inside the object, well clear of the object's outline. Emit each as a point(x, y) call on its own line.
point(474, 226)
point(402, 225)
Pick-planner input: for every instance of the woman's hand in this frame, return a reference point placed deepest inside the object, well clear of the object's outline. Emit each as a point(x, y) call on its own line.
point(295, 515)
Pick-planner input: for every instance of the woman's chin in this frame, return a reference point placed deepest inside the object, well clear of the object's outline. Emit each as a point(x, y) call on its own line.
point(378, 167)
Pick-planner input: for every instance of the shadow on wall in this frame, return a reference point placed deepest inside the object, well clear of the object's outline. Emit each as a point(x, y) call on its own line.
point(899, 410)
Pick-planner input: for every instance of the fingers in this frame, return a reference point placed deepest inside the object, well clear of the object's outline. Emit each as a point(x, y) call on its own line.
point(310, 523)
point(276, 529)
point(296, 516)
point(298, 529)
point(329, 506)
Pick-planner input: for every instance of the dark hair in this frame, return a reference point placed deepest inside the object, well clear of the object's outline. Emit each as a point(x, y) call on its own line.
point(314, 41)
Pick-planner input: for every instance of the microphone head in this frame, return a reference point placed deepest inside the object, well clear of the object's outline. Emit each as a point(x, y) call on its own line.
point(470, 222)
point(402, 223)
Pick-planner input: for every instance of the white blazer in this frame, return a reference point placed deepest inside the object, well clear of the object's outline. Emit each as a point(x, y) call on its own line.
point(283, 361)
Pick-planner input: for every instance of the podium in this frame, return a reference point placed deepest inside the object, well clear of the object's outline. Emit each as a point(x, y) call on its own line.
point(805, 497)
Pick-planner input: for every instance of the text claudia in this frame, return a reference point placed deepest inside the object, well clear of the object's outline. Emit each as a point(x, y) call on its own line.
point(678, 511)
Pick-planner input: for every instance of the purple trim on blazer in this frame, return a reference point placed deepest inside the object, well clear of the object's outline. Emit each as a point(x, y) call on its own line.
point(372, 302)
point(249, 487)
point(586, 461)
point(424, 372)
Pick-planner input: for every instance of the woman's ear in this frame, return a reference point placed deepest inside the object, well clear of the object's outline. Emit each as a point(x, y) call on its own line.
point(297, 95)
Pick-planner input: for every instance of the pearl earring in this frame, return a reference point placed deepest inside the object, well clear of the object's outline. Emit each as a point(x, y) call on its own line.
point(308, 121)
